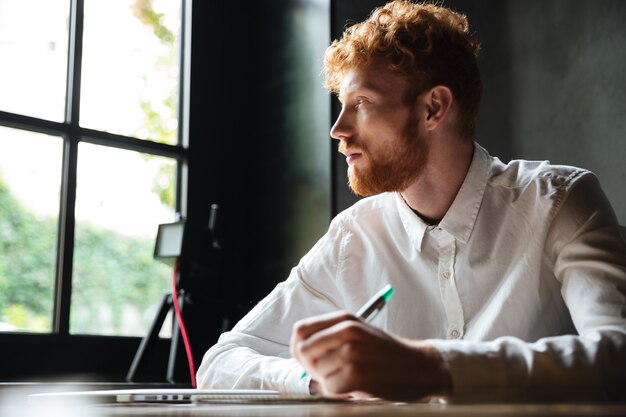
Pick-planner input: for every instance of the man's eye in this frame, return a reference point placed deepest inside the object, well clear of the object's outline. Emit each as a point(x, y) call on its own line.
point(359, 102)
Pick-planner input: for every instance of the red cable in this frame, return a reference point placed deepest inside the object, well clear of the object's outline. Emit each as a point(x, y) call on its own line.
point(181, 325)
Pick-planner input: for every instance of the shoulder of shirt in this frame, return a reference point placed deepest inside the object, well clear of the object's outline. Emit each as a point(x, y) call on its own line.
point(366, 207)
point(521, 173)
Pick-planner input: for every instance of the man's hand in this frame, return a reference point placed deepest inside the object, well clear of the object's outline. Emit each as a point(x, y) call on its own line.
point(345, 355)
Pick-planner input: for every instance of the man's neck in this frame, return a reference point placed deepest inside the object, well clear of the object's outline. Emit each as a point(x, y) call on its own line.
point(432, 194)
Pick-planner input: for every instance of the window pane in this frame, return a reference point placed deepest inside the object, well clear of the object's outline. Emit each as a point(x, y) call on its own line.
point(130, 68)
point(33, 52)
point(30, 180)
point(121, 198)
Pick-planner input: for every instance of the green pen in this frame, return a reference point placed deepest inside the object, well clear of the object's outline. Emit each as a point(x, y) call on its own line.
point(371, 308)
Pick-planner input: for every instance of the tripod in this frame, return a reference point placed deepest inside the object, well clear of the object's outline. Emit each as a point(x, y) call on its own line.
point(150, 339)
point(173, 239)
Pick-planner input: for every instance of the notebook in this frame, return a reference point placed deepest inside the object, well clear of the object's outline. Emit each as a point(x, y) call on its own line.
point(263, 399)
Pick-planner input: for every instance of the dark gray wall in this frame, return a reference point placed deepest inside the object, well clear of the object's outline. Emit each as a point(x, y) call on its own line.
point(259, 141)
point(559, 85)
point(555, 84)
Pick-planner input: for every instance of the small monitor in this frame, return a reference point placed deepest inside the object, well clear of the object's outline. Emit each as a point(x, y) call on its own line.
point(169, 241)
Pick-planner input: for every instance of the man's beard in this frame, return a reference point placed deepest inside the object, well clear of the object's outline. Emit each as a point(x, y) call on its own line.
point(393, 170)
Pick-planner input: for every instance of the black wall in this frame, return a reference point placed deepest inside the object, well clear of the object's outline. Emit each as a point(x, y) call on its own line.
point(259, 147)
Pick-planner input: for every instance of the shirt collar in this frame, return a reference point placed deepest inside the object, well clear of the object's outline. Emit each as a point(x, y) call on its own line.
point(460, 218)
point(414, 226)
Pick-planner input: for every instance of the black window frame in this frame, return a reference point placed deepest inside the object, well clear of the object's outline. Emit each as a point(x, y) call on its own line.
point(54, 353)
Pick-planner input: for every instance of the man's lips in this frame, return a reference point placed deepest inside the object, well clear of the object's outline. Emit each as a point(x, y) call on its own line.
point(352, 153)
point(351, 157)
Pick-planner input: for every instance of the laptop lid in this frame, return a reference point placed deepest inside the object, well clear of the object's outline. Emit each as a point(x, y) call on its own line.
point(151, 395)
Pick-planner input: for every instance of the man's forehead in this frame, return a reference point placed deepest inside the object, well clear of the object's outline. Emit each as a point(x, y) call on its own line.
point(354, 80)
point(374, 76)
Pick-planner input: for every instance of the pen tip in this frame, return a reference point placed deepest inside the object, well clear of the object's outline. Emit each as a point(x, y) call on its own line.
point(387, 292)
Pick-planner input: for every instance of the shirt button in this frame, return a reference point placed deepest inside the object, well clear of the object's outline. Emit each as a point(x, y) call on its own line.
point(454, 333)
point(446, 274)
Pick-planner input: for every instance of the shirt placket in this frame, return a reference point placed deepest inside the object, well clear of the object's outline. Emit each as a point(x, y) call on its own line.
point(447, 284)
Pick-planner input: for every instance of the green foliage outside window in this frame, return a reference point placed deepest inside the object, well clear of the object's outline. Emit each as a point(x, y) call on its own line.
point(161, 128)
point(26, 266)
point(28, 261)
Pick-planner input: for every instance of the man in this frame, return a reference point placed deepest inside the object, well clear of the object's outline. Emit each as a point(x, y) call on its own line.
point(510, 279)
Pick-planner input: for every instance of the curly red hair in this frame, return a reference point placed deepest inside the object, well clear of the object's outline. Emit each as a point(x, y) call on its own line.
point(429, 44)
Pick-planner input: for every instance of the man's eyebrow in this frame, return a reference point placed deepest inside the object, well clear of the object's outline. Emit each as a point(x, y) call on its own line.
point(375, 88)
point(364, 88)
point(370, 87)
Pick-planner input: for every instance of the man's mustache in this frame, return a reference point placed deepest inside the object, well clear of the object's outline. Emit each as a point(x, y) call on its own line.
point(353, 146)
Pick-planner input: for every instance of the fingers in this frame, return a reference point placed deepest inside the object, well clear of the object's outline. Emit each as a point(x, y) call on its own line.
point(344, 380)
point(337, 342)
point(331, 349)
point(353, 366)
point(305, 328)
point(343, 359)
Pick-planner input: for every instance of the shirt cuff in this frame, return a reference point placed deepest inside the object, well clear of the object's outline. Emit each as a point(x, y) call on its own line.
point(294, 383)
point(479, 372)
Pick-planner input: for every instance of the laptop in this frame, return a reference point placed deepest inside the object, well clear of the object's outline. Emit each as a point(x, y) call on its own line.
point(150, 395)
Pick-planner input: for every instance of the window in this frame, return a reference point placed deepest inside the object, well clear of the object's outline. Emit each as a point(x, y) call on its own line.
point(91, 161)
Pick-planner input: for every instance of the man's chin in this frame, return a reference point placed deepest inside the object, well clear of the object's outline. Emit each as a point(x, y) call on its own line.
point(360, 185)
point(365, 184)
point(359, 191)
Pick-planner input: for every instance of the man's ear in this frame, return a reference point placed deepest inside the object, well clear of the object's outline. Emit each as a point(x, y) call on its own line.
point(437, 101)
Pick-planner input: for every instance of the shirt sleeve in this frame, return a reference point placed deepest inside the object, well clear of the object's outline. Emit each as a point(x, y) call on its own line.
point(589, 260)
point(255, 353)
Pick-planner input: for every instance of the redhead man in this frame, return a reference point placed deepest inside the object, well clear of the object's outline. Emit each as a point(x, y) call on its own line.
point(510, 278)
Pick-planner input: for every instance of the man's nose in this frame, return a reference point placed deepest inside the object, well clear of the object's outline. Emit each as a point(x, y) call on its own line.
point(342, 129)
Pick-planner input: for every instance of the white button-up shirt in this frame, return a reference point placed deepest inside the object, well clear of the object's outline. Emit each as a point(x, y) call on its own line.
point(522, 288)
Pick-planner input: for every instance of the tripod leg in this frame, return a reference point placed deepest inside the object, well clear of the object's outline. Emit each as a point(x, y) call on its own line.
point(151, 337)
point(171, 363)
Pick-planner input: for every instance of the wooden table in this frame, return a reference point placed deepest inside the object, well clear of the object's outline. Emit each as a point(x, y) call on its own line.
point(14, 403)
point(318, 410)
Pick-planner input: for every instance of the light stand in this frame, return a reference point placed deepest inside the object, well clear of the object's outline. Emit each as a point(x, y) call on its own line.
point(172, 247)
